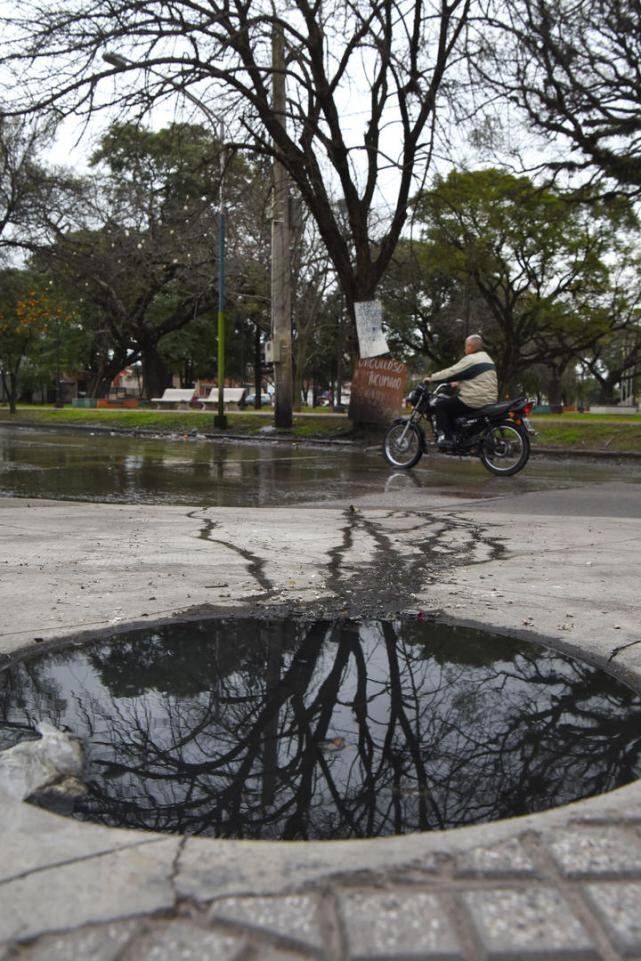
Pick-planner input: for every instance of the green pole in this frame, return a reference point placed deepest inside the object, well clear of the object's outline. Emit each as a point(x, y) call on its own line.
point(220, 420)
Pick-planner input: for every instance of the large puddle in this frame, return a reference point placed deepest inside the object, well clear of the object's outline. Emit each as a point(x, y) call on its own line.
point(190, 470)
point(297, 730)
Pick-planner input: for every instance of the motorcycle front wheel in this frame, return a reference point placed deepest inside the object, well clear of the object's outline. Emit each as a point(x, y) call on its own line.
point(403, 444)
point(504, 449)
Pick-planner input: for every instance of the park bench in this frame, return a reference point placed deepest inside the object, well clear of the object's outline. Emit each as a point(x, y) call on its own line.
point(231, 395)
point(178, 396)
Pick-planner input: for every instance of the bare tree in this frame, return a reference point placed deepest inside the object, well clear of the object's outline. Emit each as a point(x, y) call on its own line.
point(574, 68)
point(363, 80)
point(27, 190)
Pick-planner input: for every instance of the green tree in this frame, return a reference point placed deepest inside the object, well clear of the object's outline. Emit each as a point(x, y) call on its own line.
point(427, 308)
point(616, 358)
point(32, 321)
point(541, 262)
point(142, 252)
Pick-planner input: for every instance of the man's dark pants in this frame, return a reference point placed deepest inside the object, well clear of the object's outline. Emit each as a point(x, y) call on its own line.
point(445, 410)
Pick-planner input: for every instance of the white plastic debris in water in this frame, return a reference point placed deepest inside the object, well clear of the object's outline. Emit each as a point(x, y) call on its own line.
point(31, 765)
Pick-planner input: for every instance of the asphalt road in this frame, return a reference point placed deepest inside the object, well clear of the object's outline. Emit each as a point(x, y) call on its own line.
point(191, 471)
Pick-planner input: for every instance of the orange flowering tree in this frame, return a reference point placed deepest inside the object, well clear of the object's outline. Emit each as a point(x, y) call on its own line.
point(27, 316)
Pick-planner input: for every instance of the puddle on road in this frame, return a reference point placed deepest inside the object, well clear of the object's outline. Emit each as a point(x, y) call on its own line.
point(295, 730)
point(123, 469)
point(198, 472)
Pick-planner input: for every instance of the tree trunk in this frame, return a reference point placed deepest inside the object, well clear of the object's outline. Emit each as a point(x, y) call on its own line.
point(98, 385)
point(10, 384)
point(155, 376)
point(102, 376)
point(606, 392)
point(555, 396)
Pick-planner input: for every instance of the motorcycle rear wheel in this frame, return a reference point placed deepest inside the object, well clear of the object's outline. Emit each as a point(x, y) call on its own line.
point(505, 449)
point(403, 444)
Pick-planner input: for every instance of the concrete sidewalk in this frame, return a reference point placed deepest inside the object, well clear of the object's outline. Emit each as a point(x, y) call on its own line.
point(563, 884)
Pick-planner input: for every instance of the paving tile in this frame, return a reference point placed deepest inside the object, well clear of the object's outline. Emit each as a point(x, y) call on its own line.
point(618, 905)
point(527, 925)
point(397, 924)
point(596, 851)
point(505, 859)
point(181, 941)
point(102, 943)
point(292, 916)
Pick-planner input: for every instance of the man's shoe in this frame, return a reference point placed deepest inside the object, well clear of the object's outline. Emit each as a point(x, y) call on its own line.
point(444, 443)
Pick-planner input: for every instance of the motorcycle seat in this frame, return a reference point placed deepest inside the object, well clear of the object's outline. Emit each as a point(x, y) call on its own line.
point(492, 410)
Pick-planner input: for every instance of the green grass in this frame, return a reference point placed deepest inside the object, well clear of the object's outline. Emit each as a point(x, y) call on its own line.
point(589, 432)
point(321, 425)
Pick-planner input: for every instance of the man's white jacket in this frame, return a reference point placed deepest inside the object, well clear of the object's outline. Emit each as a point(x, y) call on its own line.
point(476, 374)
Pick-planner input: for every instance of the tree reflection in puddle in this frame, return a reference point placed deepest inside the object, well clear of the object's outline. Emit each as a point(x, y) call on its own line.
point(284, 730)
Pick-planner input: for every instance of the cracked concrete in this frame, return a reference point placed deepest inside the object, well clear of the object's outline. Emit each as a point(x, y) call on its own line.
point(562, 884)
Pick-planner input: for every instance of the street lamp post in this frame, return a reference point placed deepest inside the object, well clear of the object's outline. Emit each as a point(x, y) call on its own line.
point(117, 60)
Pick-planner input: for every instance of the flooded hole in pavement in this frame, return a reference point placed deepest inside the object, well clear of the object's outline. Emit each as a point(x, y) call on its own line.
point(245, 728)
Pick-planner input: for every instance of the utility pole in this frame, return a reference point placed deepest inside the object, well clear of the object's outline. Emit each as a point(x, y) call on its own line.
point(281, 280)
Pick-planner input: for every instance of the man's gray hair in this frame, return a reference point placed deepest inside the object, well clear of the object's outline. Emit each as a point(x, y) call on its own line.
point(476, 340)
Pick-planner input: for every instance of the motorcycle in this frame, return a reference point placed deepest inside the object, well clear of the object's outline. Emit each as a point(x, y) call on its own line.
point(499, 434)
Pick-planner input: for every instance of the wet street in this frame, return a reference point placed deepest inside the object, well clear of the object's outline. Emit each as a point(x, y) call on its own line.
point(204, 473)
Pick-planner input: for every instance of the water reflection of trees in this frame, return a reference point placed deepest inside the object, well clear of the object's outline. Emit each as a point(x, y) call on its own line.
point(27, 695)
point(120, 469)
point(337, 730)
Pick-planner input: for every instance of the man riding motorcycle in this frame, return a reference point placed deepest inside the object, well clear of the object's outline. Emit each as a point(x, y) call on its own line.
point(475, 377)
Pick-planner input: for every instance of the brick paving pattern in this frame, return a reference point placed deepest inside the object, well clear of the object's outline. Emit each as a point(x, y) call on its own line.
point(566, 894)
